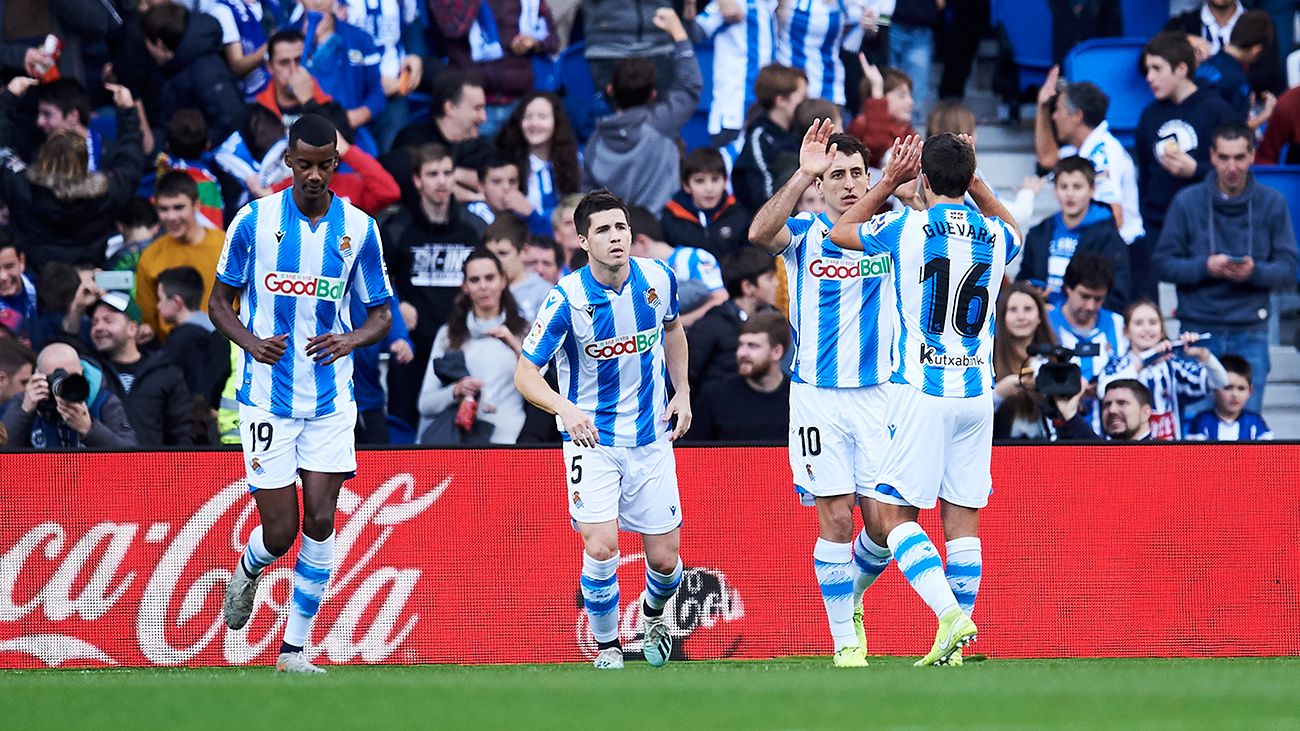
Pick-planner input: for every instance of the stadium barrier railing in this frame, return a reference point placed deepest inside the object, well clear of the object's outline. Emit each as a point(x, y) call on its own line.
point(442, 556)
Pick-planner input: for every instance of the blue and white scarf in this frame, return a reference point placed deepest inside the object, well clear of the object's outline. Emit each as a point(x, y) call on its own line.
point(485, 41)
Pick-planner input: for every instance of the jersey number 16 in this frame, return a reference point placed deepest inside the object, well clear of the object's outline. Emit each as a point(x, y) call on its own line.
point(972, 304)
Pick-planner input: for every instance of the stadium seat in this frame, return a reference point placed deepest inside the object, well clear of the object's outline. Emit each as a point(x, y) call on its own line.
point(583, 102)
point(546, 73)
point(1027, 24)
point(1112, 64)
point(1286, 180)
point(1144, 18)
point(695, 133)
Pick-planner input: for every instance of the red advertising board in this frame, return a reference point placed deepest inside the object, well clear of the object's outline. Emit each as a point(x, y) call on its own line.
point(468, 557)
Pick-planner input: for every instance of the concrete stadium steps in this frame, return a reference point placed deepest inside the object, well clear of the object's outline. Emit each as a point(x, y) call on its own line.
point(1282, 394)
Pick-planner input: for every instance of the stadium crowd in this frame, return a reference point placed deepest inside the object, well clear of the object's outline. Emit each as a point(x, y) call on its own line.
point(134, 130)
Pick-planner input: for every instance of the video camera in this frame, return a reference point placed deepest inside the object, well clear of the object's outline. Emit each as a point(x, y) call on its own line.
point(71, 387)
point(1059, 377)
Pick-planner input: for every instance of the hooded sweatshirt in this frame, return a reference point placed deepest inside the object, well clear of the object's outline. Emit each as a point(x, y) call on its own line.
point(1203, 221)
point(1191, 126)
point(634, 151)
point(720, 230)
point(1051, 245)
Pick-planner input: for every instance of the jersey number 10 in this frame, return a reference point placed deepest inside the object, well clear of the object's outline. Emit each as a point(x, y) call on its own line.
point(972, 304)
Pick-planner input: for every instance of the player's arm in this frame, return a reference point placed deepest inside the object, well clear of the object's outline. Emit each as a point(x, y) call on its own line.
point(768, 231)
point(990, 206)
point(675, 356)
point(904, 165)
point(327, 348)
point(221, 309)
point(534, 388)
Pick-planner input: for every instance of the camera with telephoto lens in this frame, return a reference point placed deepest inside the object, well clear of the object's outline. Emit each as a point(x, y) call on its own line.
point(71, 387)
point(1059, 376)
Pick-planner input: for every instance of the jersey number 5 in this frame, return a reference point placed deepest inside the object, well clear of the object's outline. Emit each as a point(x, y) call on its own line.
point(972, 304)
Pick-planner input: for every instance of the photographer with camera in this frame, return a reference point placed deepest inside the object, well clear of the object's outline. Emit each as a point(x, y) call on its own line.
point(66, 405)
point(1081, 320)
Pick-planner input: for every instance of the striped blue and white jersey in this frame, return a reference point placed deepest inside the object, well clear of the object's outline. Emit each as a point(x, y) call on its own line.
point(810, 41)
point(1108, 333)
point(384, 20)
point(841, 308)
point(608, 349)
point(740, 51)
point(948, 263)
point(1248, 426)
point(299, 280)
point(689, 262)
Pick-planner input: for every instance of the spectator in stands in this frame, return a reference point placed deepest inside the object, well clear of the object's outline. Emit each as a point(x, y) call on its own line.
point(1072, 121)
point(243, 42)
point(499, 38)
point(633, 152)
point(186, 151)
point(702, 214)
point(372, 416)
point(498, 177)
point(17, 291)
point(1175, 373)
point(344, 60)
point(770, 153)
point(812, 109)
point(506, 238)
point(540, 139)
point(484, 332)
point(62, 300)
point(1076, 21)
point(292, 89)
point(58, 208)
point(1172, 137)
point(187, 47)
point(458, 105)
point(1230, 420)
point(743, 35)
point(911, 45)
point(65, 104)
point(1126, 411)
point(809, 35)
point(1021, 321)
point(425, 246)
point(545, 256)
point(1226, 71)
point(617, 30)
point(886, 110)
point(40, 419)
point(1083, 319)
point(687, 262)
point(368, 187)
point(398, 31)
point(253, 156)
point(194, 345)
point(1227, 245)
point(1081, 226)
point(566, 233)
point(158, 404)
point(17, 363)
point(77, 24)
point(754, 404)
point(1282, 132)
point(750, 277)
point(137, 227)
point(1209, 28)
point(184, 242)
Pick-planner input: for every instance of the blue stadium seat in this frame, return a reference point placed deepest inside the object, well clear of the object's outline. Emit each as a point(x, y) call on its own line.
point(1144, 18)
point(695, 133)
point(1286, 180)
point(1112, 64)
point(1028, 26)
point(582, 101)
point(546, 73)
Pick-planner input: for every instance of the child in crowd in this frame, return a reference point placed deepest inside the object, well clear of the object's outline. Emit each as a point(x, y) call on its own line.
point(505, 238)
point(1173, 372)
point(886, 110)
point(1229, 421)
point(137, 227)
point(702, 215)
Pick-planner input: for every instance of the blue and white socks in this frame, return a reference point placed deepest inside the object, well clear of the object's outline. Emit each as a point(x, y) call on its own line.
point(600, 598)
point(869, 562)
point(311, 574)
point(963, 571)
point(659, 588)
point(256, 557)
point(919, 561)
point(833, 563)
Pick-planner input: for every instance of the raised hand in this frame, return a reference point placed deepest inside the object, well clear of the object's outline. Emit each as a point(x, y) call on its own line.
point(814, 157)
point(904, 162)
point(1047, 91)
point(19, 85)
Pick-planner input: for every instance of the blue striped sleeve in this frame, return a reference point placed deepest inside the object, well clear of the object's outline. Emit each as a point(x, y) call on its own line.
point(372, 274)
point(709, 271)
point(881, 233)
point(672, 312)
point(1013, 241)
point(550, 330)
point(237, 254)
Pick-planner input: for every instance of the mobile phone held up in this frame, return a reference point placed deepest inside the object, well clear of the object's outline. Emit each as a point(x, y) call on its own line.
point(115, 281)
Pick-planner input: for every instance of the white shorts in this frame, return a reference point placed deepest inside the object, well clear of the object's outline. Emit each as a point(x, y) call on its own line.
point(635, 485)
point(939, 448)
point(275, 447)
point(837, 436)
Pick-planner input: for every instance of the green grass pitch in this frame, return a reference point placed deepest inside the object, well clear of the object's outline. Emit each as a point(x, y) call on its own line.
point(792, 693)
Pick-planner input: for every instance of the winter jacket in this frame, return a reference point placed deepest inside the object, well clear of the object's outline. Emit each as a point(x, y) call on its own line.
point(158, 406)
point(623, 28)
point(109, 426)
point(203, 356)
point(509, 77)
point(77, 23)
point(67, 219)
point(634, 152)
point(1224, 75)
point(1265, 74)
point(197, 77)
point(1096, 234)
point(1201, 222)
point(711, 343)
point(770, 156)
point(720, 232)
point(877, 130)
point(1191, 126)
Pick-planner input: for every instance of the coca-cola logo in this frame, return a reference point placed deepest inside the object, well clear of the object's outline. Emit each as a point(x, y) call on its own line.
point(705, 598)
point(175, 624)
